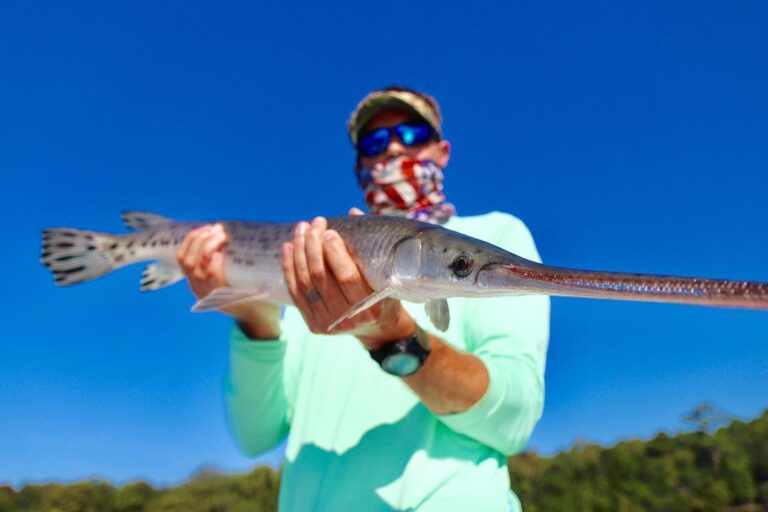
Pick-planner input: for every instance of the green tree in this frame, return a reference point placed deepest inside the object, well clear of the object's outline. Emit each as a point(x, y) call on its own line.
point(6, 499)
point(80, 497)
point(133, 497)
point(706, 470)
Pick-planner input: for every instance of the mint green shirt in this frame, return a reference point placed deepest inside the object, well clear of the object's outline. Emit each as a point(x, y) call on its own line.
point(360, 439)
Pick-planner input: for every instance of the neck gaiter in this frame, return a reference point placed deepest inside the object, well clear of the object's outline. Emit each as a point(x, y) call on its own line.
point(406, 187)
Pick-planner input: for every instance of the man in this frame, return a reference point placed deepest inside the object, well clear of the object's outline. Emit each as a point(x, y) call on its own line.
point(386, 413)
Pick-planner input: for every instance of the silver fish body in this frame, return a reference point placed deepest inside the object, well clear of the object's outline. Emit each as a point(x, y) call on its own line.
point(252, 256)
point(399, 258)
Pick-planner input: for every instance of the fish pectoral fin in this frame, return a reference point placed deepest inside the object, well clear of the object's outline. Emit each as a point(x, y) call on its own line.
point(223, 297)
point(362, 305)
point(139, 221)
point(159, 275)
point(439, 313)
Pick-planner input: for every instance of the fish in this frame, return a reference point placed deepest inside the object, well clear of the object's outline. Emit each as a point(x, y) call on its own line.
point(399, 258)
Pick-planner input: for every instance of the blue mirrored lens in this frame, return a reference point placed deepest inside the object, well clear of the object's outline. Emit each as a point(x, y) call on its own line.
point(373, 143)
point(377, 141)
point(413, 134)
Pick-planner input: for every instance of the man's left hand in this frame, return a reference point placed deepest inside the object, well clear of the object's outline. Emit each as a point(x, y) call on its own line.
point(324, 282)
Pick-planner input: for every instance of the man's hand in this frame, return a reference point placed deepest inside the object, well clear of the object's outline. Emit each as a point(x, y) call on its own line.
point(324, 282)
point(201, 259)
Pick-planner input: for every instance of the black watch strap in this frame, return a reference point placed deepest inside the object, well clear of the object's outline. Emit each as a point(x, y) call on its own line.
point(405, 356)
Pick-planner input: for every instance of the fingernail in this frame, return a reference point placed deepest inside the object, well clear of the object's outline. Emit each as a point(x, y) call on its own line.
point(317, 220)
point(301, 228)
point(329, 235)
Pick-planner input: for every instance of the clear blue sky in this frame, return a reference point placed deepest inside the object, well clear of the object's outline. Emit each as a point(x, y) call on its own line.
point(628, 136)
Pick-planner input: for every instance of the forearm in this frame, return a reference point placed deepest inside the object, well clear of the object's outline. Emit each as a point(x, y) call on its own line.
point(258, 321)
point(255, 396)
point(450, 381)
point(493, 396)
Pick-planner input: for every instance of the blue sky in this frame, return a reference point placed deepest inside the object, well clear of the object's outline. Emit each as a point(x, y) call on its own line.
point(629, 136)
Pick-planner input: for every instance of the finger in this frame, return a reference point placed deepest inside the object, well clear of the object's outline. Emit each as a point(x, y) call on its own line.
point(190, 260)
point(215, 243)
point(197, 258)
point(216, 269)
point(210, 265)
point(194, 240)
point(201, 252)
point(298, 297)
point(343, 268)
point(300, 258)
point(356, 211)
point(333, 298)
point(318, 286)
point(289, 271)
point(181, 253)
point(314, 251)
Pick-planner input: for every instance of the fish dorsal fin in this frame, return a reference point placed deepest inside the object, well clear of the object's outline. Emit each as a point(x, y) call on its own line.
point(439, 313)
point(362, 305)
point(138, 220)
point(159, 275)
point(223, 297)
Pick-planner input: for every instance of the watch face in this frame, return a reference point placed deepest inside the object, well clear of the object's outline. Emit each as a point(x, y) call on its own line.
point(401, 364)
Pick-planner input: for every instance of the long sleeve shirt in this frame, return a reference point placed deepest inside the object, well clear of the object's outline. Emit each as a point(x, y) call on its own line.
point(360, 439)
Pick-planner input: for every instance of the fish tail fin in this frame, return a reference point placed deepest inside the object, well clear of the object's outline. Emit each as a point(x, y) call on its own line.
point(76, 256)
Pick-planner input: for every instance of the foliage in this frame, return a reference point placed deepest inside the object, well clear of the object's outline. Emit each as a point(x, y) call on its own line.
point(692, 472)
point(207, 491)
point(724, 470)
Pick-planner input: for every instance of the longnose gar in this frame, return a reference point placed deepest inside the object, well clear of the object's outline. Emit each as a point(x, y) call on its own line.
point(400, 258)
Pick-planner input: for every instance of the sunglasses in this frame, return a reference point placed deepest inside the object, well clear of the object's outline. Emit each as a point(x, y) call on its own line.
point(411, 134)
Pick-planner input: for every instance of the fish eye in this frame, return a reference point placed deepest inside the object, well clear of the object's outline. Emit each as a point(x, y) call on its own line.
point(462, 265)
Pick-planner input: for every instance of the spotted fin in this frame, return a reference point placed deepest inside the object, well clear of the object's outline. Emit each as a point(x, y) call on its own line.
point(139, 220)
point(223, 297)
point(159, 275)
point(438, 312)
point(75, 256)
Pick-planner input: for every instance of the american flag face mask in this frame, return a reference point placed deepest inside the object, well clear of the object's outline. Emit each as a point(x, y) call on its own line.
point(406, 187)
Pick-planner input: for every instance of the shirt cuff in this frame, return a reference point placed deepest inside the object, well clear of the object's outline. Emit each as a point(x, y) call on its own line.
point(476, 417)
point(263, 350)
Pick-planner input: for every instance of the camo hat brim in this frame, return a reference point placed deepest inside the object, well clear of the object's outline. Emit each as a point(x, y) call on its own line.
point(390, 99)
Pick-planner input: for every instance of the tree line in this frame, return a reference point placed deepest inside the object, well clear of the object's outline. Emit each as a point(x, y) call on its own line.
point(724, 469)
point(709, 469)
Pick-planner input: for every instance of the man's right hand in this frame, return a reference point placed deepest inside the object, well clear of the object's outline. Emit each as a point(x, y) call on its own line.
point(201, 259)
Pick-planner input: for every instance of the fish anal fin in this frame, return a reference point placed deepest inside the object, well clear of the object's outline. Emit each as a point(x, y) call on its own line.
point(139, 220)
point(224, 297)
point(439, 313)
point(362, 305)
point(159, 275)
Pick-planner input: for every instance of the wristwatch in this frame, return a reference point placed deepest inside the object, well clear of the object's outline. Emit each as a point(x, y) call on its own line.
point(405, 356)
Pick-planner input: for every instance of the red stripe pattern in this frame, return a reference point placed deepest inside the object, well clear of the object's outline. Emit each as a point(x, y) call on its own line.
point(406, 187)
